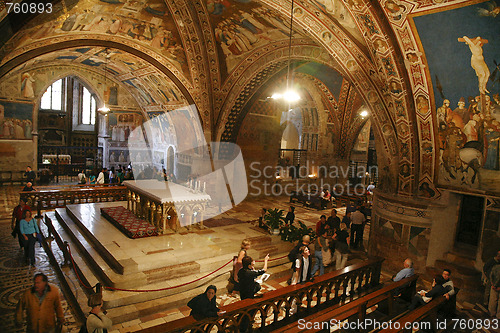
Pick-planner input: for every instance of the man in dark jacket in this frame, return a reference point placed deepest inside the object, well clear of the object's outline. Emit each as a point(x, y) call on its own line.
point(248, 286)
point(30, 175)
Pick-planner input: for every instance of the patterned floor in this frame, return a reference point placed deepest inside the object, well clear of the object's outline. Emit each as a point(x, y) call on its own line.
point(15, 275)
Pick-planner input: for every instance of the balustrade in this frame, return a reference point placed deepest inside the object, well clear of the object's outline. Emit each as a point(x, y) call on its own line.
point(54, 198)
point(326, 290)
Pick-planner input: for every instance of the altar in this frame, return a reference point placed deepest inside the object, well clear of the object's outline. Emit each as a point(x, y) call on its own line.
point(166, 205)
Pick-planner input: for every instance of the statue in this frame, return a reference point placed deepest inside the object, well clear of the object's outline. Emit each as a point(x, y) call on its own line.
point(477, 61)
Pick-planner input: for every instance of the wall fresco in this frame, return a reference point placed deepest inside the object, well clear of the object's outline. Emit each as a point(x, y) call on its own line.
point(465, 81)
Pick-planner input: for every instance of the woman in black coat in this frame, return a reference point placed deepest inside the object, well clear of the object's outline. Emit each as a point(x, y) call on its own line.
point(204, 305)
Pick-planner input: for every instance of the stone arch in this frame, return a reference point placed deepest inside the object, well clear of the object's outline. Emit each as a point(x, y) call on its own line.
point(33, 50)
point(368, 74)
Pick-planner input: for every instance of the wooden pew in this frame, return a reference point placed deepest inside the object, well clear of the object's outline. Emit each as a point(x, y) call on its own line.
point(358, 278)
point(429, 310)
point(341, 312)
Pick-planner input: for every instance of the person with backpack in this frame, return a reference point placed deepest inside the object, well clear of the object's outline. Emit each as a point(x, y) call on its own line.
point(97, 321)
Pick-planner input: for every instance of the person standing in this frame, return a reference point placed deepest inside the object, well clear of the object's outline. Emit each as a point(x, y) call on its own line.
point(17, 216)
point(29, 231)
point(238, 263)
point(100, 177)
point(42, 304)
point(248, 286)
point(82, 179)
point(357, 226)
point(487, 271)
point(320, 244)
point(97, 321)
point(302, 267)
point(341, 238)
point(494, 303)
point(321, 225)
point(30, 175)
point(347, 219)
point(333, 221)
point(290, 216)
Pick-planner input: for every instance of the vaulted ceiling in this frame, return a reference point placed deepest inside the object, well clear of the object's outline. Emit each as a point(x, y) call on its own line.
point(221, 54)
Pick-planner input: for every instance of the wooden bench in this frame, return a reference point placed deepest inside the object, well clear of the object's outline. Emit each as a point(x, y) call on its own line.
point(429, 310)
point(12, 177)
point(358, 278)
point(341, 312)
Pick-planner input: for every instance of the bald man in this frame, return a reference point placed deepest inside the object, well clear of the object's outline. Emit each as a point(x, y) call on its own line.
point(407, 271)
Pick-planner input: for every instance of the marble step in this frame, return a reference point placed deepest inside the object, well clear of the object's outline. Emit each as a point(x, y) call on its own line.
point(105, 254)
point(93, 268)
point(152, 306)
point(461, 259)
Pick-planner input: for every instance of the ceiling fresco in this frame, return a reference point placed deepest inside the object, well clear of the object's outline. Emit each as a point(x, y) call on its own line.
point(383, 55)
point(148, 23)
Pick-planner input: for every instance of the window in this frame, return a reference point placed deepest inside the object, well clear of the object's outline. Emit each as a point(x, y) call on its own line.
point(88, 108)
point(52, 98)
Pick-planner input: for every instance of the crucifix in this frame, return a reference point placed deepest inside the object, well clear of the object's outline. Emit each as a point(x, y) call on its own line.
point(478, 64)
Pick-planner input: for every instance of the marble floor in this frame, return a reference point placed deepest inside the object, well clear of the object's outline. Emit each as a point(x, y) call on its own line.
point(16, 276)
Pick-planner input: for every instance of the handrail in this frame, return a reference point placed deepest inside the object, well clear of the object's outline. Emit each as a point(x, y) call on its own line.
point(341, 312)
point(54, 198)
point(338, 286)
point(429, 309)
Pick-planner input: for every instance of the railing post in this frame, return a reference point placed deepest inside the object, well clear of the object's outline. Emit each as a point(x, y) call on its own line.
point(67, 257)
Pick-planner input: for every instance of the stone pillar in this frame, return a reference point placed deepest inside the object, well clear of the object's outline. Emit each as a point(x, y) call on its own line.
point(400, 229)
point(103, 137)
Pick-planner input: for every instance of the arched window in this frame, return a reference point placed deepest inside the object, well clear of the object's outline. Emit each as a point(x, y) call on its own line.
point(52, 98)
point(87, 107)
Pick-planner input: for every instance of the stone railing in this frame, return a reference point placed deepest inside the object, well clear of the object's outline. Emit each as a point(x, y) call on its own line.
point(272, 310)
point(54, 198)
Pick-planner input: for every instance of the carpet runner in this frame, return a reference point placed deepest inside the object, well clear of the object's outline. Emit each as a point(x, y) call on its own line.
point(128, 223)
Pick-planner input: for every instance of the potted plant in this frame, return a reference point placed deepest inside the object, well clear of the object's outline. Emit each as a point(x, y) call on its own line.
point(274, 220)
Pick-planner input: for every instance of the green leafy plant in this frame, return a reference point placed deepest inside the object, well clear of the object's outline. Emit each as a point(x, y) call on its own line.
point(274, 218)
point(292, 233)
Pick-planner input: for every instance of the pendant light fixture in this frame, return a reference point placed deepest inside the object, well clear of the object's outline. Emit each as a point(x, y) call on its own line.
point(104, 109)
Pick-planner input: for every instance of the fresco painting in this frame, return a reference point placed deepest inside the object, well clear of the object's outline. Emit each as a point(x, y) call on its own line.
point(242, 26)
point(466, 86)
point(16, 121)
point(146, 22)
point(122, 124)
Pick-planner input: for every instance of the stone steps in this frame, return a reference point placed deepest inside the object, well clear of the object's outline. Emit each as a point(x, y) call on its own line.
point(124, 306)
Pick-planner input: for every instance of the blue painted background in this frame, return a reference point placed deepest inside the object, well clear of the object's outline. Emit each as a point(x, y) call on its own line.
point(449, 59)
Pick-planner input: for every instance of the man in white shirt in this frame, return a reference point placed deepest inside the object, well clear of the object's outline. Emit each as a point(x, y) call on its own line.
point(100, 177)
point(357, 226)
point(82, 179)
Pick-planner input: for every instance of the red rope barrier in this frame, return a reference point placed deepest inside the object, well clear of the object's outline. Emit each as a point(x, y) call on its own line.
point(74, 268)
point(142, 290)
point(273, 259)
